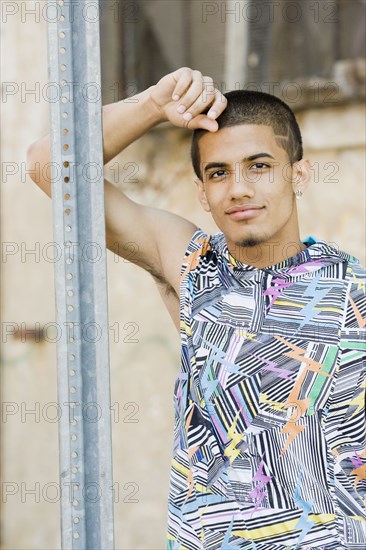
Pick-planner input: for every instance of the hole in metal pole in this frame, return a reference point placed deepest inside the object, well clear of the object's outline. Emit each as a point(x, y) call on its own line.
point(63, 68)
point(61, 34)
point(74, 437)
point(66, 147)
point(72, 372)
point(66, 132)
point(65, 114)
point(67, 211)
point(67, 179)
point(66, 164)
point(62, 50)
point(69, 276)
point(68, 228)
point(70, 308)
point(66, 197)
point(74, 454)
point(76, 520)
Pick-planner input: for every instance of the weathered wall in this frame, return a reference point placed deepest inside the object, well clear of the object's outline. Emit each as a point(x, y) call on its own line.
point(142, 371)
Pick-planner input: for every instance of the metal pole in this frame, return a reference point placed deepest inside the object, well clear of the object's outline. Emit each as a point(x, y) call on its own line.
point(80, 276)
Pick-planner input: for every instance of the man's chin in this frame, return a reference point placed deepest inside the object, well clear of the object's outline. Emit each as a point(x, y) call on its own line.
point(249, 242)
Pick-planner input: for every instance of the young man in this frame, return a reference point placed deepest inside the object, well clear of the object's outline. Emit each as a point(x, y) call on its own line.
point(269, 443)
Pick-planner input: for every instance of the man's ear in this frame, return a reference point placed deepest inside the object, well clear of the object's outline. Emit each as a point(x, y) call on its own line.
point(202, 195)
point(301, 175)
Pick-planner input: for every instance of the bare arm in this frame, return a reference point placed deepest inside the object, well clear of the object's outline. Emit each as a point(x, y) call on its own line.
point(123, 123)
point(160, 236)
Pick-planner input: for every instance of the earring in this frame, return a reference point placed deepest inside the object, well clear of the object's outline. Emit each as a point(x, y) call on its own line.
point(298, 194)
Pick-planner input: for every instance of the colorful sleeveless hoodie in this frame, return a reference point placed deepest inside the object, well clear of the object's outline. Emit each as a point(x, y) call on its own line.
point(270, 436)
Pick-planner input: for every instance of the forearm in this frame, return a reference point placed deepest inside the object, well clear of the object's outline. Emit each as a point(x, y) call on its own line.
point(127, 120)
point(123, 123)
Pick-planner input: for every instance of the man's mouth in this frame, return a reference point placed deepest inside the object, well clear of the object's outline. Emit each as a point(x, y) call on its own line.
point(244, 211)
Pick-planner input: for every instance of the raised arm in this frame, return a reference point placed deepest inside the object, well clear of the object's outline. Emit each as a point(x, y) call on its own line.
point(160, 236)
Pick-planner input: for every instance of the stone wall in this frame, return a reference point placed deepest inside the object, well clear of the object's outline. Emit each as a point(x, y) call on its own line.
point(144, 345)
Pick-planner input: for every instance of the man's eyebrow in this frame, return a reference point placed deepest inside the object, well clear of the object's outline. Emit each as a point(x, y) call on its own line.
point(210, 165)
point(257, 156)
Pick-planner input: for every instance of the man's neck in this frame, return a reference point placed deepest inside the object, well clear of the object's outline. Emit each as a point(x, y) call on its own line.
point(265, 254)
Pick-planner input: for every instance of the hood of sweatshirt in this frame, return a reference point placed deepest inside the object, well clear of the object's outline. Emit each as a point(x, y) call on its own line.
point(317, 255)
point(239, 295)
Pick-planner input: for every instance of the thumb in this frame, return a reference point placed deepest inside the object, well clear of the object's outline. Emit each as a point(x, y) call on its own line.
point(204, 123)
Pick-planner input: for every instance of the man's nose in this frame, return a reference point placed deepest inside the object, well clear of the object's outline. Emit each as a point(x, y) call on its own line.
point(241, 182)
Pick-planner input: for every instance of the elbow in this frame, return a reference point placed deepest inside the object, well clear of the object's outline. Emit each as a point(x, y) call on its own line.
point(36, 158)
point(33, 166)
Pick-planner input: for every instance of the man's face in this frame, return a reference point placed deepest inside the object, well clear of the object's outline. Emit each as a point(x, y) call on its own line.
point(248, 186)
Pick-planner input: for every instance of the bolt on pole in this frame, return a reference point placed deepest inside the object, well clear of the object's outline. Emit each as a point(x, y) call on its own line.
point(80, 276)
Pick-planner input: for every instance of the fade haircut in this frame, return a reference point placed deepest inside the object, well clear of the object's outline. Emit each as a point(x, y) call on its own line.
point(252, 107)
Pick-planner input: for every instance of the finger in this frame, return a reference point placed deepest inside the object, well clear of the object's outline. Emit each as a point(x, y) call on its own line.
point(192, 93)
point(183, 78)
point(209, 96)
point(202, 122)
point(218, 106)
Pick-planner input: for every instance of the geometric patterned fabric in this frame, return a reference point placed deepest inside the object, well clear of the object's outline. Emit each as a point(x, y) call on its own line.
point(270, 436)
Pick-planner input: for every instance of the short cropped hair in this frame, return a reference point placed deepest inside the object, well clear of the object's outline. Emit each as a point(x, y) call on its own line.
point(252, 107)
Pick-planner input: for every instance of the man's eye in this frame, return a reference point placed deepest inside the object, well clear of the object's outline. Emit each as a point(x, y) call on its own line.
point(218, 174)
point(259, 166)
